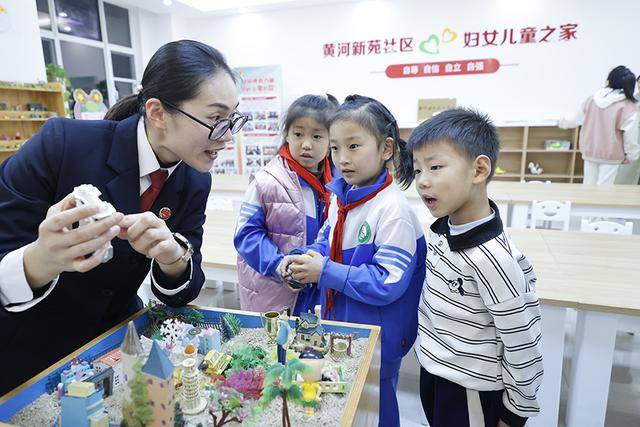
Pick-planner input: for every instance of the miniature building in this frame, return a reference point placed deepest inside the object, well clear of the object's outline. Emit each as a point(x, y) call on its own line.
point(158, 372)
point(130, 350)
point(78, 371)
point(82, 406)
point(310, 331)
point(112, 360)
point(192, 401)
point(104, 380)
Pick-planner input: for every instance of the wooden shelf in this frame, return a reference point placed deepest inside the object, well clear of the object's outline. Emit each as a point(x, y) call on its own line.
point(33, 89)
point(549, 175)
point(52, 100)
point(538, 150)
point(41, 119)
point(523, 141)
point(507, 175)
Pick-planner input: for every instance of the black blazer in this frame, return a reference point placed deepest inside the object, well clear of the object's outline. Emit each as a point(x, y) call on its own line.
point(64, 154)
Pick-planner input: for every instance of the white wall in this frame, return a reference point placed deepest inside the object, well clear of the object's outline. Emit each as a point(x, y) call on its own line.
point(21, 57)
point(544, 82)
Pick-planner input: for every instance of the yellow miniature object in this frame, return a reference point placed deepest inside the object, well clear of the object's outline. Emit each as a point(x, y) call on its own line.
point(81, 389)
point(310, 397)
point(217, 362)
point(500, 171)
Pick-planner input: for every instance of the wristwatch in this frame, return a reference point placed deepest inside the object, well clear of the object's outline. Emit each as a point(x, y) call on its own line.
point(186, 244)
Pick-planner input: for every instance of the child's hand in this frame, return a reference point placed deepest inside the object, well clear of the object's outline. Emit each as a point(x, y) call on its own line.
point(306, 268)
point(502, 424)
point(283, 268)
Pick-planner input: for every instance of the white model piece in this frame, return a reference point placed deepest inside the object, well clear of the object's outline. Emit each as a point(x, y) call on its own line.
point(87, 194)
point(192, 402)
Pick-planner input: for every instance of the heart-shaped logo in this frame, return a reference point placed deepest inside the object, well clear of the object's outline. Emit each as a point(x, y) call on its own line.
point(430, 45)
point(448, 35)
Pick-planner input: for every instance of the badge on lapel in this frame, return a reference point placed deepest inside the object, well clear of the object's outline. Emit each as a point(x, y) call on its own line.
point(164, 213)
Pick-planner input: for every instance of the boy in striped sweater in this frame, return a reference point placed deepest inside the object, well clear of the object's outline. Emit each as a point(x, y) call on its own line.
point(479, 317)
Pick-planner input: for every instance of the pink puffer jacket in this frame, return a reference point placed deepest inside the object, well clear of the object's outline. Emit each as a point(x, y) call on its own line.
point(281, 199)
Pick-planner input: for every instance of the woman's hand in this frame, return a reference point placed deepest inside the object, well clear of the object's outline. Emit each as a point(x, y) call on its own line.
point(60, 248)
point(150, 236)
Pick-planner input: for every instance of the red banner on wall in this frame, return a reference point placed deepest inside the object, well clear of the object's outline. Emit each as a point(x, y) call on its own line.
point(446, 68)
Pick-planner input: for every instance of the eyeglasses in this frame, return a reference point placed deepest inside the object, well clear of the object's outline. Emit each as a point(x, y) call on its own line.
point(220, 127)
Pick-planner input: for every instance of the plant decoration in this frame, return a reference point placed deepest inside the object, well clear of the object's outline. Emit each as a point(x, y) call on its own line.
point(279, 382)
point(137, 413)
point(56, 73)
point(249, 382)
point(231, 326)
point(158, 313)
point(246, 357)
point(228, 405)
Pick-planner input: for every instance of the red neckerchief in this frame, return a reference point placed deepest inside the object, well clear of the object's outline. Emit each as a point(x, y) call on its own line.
point(335, 252)
point(310, 178)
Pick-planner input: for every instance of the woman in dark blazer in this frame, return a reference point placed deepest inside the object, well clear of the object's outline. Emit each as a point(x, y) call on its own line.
point(150, 159)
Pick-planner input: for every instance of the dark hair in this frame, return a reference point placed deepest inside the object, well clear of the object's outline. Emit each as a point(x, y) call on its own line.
point(174, 74)
point(317, 107)
point(622, 78)
point(472, 133)
point(377, 119)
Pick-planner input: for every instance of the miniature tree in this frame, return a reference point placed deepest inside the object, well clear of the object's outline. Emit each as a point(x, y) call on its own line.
point(231, 326)
point(178, 419)
point(137, 413)
point(280, 382)
point(229, 403)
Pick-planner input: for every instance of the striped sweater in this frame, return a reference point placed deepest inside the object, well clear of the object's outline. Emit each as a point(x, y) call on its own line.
point(479, 317)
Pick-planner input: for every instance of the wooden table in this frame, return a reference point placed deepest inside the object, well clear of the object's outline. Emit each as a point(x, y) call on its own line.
point(596, 274)
point(512, 198)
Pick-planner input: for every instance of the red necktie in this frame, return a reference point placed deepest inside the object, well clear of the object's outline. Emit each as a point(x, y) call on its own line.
point(311, 179)
point(158, 178)
point(335, 253)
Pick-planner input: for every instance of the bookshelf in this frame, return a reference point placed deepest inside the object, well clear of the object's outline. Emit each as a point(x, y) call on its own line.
point(521, 143)
point(16, 126)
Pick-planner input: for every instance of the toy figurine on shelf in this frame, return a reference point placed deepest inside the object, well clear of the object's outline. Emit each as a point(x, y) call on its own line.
point(535, 168)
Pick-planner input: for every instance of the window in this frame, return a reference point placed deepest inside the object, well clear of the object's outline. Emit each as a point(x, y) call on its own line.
point(44, 18)
point(79, 18)
point(49, 50)
point(117, 25)
point(123, 66)
point(93, 41)
point(85, 67)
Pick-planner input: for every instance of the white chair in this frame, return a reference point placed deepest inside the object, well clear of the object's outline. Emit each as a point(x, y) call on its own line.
point(608, 227)
point(550, 211)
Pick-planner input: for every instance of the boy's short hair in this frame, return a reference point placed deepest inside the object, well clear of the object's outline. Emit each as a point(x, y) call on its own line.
point(472, 133)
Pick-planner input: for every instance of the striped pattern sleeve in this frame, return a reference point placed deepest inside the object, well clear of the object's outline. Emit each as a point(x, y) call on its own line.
point(506, 282)
point(251, 239)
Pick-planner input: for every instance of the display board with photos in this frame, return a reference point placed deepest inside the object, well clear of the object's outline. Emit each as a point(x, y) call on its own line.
point(260, 96)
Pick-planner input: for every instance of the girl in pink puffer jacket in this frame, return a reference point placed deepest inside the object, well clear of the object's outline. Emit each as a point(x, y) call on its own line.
point(284, 207)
